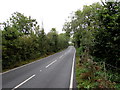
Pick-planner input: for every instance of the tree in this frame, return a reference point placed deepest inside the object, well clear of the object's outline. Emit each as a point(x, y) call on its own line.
point(53, 37)
point(63, 40)
point(17, 43)
point(83, 26)
point(107, 38)
point(25, 25)
point(23, 40)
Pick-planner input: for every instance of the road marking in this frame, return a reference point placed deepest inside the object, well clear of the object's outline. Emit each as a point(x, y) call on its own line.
point(23, 65)
point(72, 73)
point(23, 82)
point(50, 63)
point(40, 70)
point(26, 64)
point(60, 56)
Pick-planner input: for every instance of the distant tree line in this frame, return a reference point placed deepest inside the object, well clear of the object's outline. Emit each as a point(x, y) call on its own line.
point(96, 31)
point(23, 39)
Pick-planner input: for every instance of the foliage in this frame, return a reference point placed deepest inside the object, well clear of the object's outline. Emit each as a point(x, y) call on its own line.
point(91, 77)
point(82, 25)
point(23, 40)
point(106, 46)
point(96, 33)
point(96, 30)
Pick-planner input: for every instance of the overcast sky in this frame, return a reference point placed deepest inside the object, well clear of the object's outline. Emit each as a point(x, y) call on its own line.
point(53, 13)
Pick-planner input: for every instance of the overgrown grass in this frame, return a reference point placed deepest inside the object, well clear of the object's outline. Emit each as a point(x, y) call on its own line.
point(88, 79)
point(114, 77)
point(91, 75)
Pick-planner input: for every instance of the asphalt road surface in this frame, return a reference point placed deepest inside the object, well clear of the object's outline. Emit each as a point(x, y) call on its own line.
point(55, 71)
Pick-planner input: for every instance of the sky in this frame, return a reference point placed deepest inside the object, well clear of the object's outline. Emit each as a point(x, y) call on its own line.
point(53, 13)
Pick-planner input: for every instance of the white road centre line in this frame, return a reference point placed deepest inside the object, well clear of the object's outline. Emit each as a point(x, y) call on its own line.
point(60, 56)
point(66, 53)
point(23, 82)
point(50, 63)
point(24, 65)
point(72, 73)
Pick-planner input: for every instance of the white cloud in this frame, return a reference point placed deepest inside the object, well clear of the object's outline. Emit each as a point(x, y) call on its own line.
point(52, 12)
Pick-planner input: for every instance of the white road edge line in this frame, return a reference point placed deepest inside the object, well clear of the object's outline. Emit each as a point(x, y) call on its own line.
point(72, 73)
point(23, 82)
point(51, 63)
